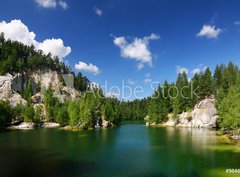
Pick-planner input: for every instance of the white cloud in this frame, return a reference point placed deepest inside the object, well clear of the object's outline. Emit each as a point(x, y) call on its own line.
point(147, 79)
point(131, 82)
point(148, 75)
point(52, 4)
point(237, 22)
point(138, 49)
point(87, 67)
point(98, 11)
point(18, 31)
point(55, 47)
point(140, 66)
point(196, 71)
point(209, 31)
point(63, 5)
point(181, 70)
point(199, 69)
point(47, 3)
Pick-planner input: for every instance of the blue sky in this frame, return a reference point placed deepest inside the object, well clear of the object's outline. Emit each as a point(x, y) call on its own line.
point(90, 28)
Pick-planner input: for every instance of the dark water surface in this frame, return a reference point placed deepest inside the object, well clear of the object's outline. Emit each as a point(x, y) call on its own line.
point(131, 150)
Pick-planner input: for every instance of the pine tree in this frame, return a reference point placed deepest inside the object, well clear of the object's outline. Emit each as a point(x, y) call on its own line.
point(28, 92)
point(74, 113)
point(37, 116)
point(229, 110)
point(206, 84)
point(62, 115)
point(6, 113)
point(28, 113)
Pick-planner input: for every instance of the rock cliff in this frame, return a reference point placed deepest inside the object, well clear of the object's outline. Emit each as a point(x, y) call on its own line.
point(12, 85)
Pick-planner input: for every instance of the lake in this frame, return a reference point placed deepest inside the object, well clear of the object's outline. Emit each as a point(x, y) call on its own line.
point(131, 150)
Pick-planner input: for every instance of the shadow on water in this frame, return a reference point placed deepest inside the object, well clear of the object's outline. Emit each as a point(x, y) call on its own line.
point(26, 163)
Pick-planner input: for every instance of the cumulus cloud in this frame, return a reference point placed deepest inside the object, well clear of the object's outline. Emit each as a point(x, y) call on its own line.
point(181, 70)
point(55, 47)
point(209, 31)
point(98, 11)
point(138, 49)
point(52, 4)
point(18, 31)
point(87, 67)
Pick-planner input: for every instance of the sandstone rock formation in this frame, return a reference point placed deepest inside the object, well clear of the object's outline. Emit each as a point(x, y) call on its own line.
point(6, 92)
point(12, 85)
point(205, 113)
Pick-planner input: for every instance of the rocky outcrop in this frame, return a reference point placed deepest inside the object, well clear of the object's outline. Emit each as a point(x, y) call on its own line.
point(185, 119)
point(24, 126)
point(7, 93)
point(205, 114)
point(171, 121)
point(50, 125)
point(12, 85)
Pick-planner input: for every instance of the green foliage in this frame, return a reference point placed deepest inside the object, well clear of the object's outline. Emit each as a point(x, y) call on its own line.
point(206, 84)
point(37, 116)
point(17, 112)
point(158, 110)
point(81, 82)
point(73, 112)
point(229, 110)
point(5, 113)
point(51, 104)
point(28, 92)
point(134, 110)
point(111, 110)
point(62, 115)
point(16, 57)
point(28, 113)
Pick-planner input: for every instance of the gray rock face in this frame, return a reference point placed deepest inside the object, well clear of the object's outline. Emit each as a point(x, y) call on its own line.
point(185, 119)
point(205, 114)
point(171, 121)
point(11, 86)
point(6, 92)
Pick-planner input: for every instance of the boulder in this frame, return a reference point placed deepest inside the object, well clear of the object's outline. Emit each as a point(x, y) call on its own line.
point(24, 126)
point(204, 113)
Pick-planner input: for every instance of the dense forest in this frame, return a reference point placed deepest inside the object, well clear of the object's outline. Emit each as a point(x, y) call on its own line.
point(223, 84)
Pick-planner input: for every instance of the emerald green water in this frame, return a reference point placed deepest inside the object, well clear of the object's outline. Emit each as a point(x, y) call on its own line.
point(131, 150)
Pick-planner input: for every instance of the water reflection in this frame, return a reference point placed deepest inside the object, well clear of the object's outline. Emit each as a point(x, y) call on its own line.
point(129, 150)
